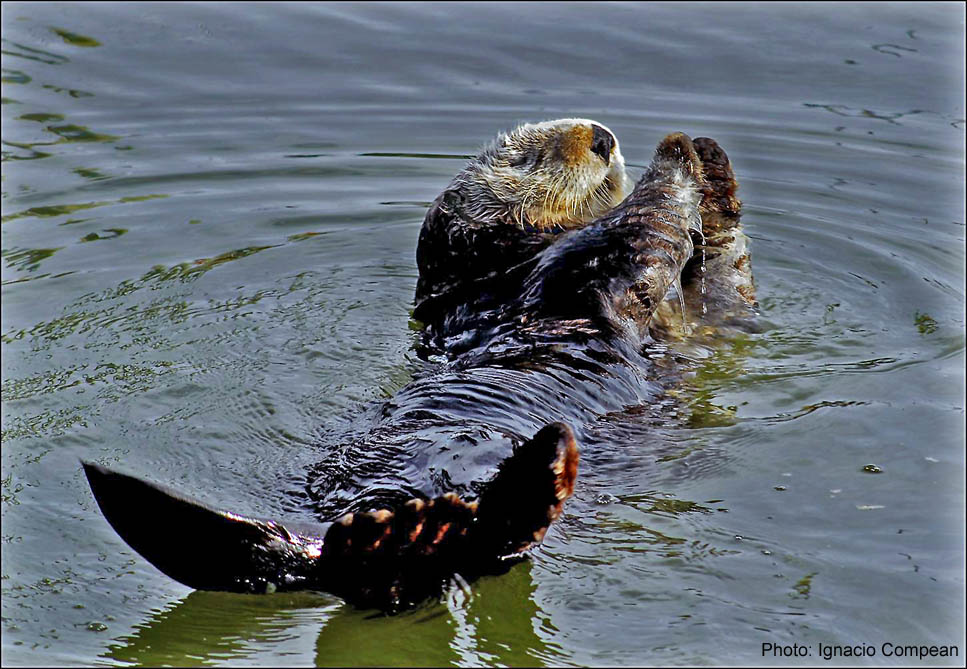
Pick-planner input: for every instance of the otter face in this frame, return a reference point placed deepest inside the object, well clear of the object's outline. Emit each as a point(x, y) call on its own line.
point(553, 174)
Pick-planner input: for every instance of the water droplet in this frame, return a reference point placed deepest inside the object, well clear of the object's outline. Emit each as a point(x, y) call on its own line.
point(681, 301)
point(704, 291)
point(703, 269)
point(872, 469)
point(605, 498)
point(780, 488)
point(95, 626)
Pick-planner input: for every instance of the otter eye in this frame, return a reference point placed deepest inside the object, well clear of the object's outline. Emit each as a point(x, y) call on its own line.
point(531, 160)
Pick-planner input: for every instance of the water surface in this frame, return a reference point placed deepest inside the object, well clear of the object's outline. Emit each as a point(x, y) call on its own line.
point(209, 216)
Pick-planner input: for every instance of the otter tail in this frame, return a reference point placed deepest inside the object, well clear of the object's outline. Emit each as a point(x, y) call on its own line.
point(199, 546)
point(387, 559)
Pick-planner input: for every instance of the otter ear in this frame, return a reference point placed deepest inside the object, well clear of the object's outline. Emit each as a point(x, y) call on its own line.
point(452, 201)
point(678, 147)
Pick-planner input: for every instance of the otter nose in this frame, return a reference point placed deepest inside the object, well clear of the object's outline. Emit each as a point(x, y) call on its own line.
point(602, 142)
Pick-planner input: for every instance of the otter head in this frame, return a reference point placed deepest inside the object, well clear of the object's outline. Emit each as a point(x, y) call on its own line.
point(555, 174)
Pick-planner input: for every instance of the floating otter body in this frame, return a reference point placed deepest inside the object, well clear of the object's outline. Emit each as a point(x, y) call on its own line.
point(539, 283)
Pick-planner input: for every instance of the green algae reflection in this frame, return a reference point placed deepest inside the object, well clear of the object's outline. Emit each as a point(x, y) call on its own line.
point(85, 316)
point(15, 77)
point(62, 209)
point(725, 364)
point(32, 153)
point(79, 133)
point(74, 39)
point(188, 271)
point(112, 233)
point(54, 123)
point(925, 324)
point(214, 627)
point(27, 259)
point(90, 173)
point(41, 117)
point(492, 626)
point(30, 53)
point(803, 586)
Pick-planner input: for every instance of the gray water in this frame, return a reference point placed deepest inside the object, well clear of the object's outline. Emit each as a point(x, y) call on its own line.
point(210, 213)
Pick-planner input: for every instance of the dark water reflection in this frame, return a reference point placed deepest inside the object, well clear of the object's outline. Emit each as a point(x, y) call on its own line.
point(209, 215)
point(500, 624)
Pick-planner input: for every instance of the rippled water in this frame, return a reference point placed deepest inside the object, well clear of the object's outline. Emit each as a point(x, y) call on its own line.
point(209, 219)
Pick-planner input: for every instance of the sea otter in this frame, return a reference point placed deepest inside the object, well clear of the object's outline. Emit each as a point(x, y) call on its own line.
point(540, 276)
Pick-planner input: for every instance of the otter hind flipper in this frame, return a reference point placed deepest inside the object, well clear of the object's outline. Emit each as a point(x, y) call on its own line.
point(393, 559)
point(201, 547)
point(529, 491)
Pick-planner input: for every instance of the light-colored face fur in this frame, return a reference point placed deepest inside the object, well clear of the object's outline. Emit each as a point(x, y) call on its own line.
point(553, 174)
